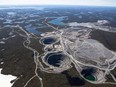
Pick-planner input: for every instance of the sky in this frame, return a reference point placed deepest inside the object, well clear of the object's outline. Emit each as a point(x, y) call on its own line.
point(59, 2)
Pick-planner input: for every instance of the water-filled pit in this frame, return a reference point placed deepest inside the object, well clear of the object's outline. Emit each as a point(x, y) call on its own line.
point(48, 40)
point(56, 59)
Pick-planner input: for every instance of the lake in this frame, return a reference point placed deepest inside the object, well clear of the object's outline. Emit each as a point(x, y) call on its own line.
point(58, 21)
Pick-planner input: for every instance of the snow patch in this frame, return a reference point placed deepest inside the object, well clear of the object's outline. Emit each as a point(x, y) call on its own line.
point(5, 80)
point(2, 42)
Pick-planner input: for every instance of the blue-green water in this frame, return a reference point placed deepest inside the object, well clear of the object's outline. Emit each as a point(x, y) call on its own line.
point(58, 21)
point(32, 29)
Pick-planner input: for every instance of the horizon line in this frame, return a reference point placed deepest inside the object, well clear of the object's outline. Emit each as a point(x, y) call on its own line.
point(55, 5)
